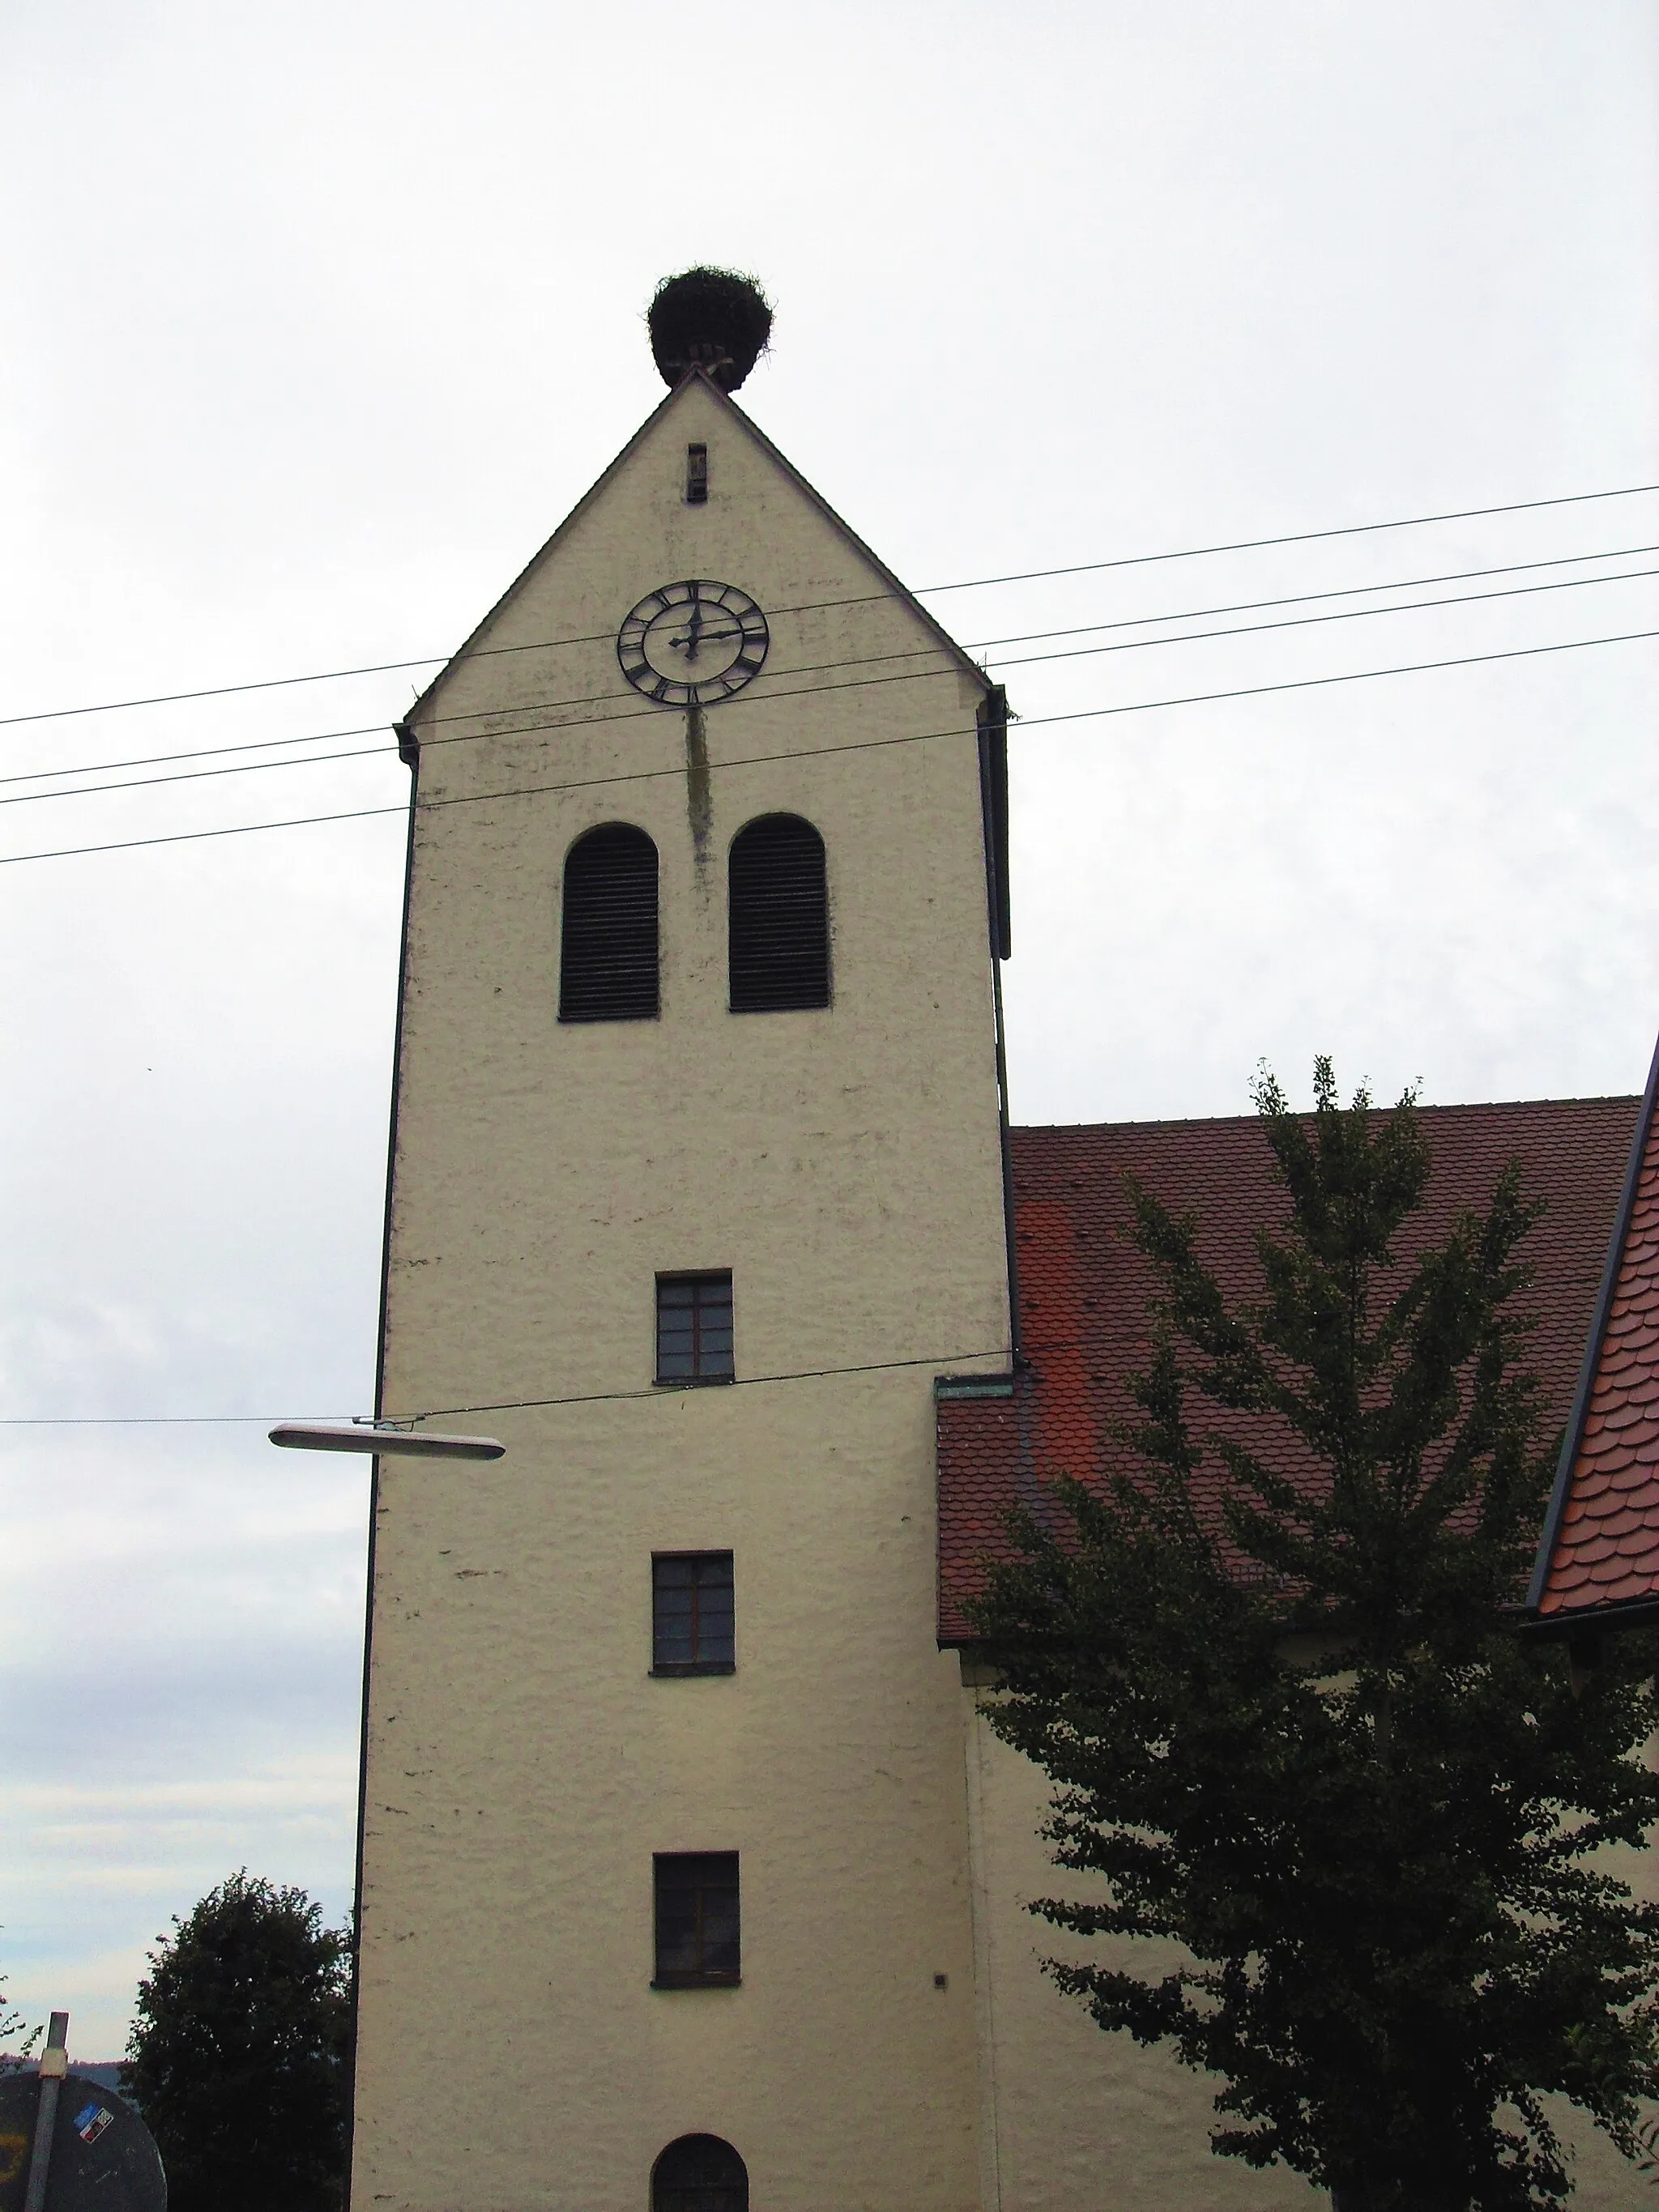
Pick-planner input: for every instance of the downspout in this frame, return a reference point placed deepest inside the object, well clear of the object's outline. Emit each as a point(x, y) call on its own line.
point(993, 727)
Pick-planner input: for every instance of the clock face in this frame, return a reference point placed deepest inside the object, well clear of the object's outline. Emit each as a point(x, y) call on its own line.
point(691, 644)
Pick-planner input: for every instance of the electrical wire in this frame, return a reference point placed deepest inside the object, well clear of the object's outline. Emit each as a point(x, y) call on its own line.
point(196, 752)
point(658, 1391)
point(1085, 628)
point(1076, 653)
point(1306, 599)
point(1307, 622)
point(629, 712)
point(1080, 629)
point(156, 1420)
point(198, 775)
point(814, 752)
point(942, 1360)
point(1298, 537)
point(968, 584)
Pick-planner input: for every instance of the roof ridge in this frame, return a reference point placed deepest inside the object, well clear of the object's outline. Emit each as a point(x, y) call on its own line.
point(1225, 1121)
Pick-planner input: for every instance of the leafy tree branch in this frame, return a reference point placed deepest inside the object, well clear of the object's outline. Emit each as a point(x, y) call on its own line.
point(1297, 1732)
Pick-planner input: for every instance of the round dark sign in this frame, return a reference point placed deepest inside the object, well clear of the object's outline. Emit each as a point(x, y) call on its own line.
point(104, 2159)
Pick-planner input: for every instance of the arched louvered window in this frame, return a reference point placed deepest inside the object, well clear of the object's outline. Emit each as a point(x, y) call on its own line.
point(608, 948)
point(779, 917)
point(699, 2174)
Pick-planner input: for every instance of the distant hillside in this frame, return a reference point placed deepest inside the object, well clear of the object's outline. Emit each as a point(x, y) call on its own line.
point(106, 2072)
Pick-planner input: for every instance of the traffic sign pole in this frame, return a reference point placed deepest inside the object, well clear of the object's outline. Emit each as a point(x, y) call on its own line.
point(54, 2064)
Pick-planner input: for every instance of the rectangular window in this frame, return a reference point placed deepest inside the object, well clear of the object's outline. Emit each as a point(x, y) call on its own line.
point(696, 1900)
point(693, 1328)
point(697, 475)
point(691, 1612)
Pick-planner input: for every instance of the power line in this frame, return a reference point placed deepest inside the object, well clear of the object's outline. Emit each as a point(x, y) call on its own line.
point(630, 711)
point(1299, 537)
point(814, 752)
point(1306, 599)
point(155, 1421)
point(1078, 630)
point(1076, 653)
point(1347, 614)
point(193, 836)
point(1033, 721)
point(196, 752)
point(942, 1360)
point(967, 584)
point(659, 1393)
point(200, 774)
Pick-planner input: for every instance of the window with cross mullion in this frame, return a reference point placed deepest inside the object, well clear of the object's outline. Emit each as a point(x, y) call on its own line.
point(692, 1614)
point(693, 1328)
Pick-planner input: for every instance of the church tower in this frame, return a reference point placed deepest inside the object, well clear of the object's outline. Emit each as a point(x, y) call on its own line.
point(696, 1184)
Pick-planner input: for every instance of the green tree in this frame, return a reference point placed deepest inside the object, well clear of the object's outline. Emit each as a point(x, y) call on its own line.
point(238, 2055)
point(11, 2024)
point(1300, 1735)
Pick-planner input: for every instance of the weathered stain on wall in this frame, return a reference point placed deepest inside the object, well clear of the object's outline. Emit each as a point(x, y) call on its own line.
point(699, 792)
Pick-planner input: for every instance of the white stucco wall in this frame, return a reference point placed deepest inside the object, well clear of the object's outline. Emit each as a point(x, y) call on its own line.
point(1074, 2117)
point(523, 1765)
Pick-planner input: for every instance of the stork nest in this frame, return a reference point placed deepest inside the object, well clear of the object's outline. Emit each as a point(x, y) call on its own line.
point(715, 320)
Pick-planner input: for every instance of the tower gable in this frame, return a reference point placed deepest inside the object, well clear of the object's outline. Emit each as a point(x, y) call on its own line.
point(681, 413)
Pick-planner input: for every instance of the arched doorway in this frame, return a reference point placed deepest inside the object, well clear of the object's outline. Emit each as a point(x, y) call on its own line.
point(699, 2173)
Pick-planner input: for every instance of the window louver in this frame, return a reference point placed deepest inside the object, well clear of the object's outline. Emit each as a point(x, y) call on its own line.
point(780, 917)
point(608, 947)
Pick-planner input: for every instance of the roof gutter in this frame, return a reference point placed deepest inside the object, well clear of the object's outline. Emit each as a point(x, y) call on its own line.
point(992, 722)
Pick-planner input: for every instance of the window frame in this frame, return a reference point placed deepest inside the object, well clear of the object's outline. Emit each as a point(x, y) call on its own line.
point(699, 1977)
point(696, 1380)
point(670, 1668)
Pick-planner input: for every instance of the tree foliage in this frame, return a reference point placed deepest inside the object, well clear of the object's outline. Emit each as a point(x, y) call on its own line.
point(238, 2055)
point(16, 2024)
point(1299, 1731)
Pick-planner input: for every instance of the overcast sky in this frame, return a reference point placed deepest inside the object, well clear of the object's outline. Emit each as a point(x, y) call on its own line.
point(316, 321)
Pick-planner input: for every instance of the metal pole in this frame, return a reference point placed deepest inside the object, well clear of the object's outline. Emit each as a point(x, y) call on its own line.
point(54, 2064)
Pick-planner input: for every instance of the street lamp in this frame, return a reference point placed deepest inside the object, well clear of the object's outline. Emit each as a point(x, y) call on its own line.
point(366, 1436)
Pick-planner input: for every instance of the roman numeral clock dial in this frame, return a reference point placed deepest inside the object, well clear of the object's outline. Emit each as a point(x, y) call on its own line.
point(693, 644)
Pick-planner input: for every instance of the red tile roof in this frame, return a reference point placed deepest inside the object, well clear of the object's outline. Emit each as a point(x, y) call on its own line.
point(1599, 1556)
point(1083, 1290)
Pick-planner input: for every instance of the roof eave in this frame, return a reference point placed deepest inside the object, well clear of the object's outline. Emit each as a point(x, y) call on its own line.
point(1604, 1618)
point(413, 714)
point(968, 666)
